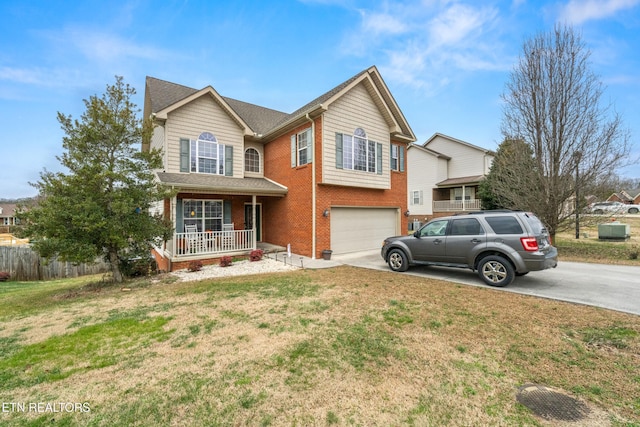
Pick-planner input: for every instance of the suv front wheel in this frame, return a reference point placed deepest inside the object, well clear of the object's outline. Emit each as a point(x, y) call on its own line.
point(496, 271)
point(397, 260)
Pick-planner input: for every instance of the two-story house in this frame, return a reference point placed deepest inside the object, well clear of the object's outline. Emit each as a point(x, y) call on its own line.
point(443, 177)
point(332, 175)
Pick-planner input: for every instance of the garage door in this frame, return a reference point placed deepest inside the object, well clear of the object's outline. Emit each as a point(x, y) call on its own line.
point(361, 229)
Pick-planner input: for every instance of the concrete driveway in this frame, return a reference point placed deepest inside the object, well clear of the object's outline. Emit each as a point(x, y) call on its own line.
point(615, 287)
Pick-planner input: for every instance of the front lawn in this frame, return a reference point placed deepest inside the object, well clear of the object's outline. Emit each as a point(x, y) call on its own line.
point(341, 346)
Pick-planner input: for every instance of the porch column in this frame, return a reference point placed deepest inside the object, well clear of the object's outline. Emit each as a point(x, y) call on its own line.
point(254, 228)
point(464, 199)
point(174, 217)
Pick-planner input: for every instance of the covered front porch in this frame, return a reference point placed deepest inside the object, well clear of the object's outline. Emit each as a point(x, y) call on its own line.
point(457, 195)
point(213, 216)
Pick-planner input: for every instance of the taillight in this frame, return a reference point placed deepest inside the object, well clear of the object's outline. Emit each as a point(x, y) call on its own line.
point(530, 244)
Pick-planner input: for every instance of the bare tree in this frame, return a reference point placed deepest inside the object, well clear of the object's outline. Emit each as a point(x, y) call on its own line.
point(552, 102)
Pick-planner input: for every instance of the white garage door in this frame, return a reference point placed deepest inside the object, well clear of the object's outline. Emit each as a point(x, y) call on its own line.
point(361, 229)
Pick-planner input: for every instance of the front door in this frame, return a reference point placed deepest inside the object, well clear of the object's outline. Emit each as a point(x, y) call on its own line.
point(248, 225)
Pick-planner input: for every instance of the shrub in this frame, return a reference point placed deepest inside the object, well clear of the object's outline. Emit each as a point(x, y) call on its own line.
point(226, 261)
point(4, 276)
point(195, 266)
point(256, 255)
point(633, 252)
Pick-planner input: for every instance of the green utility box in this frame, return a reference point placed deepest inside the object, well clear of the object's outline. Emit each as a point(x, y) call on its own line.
point(614, 231)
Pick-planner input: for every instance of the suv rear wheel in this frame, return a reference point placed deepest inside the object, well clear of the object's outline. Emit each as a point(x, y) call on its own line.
point(496, 271)
point(397, 260)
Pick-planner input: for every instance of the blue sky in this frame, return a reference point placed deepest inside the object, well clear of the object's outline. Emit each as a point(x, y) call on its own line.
point(445, 61)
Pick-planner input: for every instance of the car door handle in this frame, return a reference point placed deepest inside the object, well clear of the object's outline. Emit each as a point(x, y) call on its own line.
point(475, 241)
point(437, 241)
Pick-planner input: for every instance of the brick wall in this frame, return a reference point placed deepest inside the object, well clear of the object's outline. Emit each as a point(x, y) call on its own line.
point(289, 220)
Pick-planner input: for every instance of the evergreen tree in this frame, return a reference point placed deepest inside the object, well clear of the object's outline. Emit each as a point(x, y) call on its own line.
point(101, 205)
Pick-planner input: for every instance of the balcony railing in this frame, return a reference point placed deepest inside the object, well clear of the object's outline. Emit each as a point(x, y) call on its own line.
point(457, 205)
point(212, 242)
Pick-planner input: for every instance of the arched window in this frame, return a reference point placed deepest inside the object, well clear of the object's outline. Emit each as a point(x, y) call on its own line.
point(358, 152)
point(207, 155)
point(251, 160)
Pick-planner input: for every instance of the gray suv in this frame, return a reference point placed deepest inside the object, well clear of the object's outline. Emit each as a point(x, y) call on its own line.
point(499, 245)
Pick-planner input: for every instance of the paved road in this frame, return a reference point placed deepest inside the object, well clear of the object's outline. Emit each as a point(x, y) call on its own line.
point(614, 287)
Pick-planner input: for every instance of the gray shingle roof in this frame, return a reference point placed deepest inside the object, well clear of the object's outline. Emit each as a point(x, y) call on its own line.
point(161, 94)
point(259, 119)
point(222, 184)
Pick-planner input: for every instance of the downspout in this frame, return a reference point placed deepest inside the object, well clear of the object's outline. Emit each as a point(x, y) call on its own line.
point(313, 187)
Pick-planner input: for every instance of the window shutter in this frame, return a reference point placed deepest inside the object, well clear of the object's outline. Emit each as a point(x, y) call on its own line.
point(338, 150)
point(310, 145)
point(401, 157)
point(184, 155)
point(420, 197)
point(379, 158)
point(294, 151)
point(228, 160)
point(226, 212)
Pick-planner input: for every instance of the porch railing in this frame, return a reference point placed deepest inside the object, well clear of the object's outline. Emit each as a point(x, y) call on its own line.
point(212, 242)
point(457, 205)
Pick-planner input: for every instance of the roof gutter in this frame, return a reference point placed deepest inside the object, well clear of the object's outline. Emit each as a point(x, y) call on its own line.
point(313, 187)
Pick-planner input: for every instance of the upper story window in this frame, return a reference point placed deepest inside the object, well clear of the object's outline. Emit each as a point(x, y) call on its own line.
point(251, 160)
point(357, 152)
point(206, 155)
point(397, 157)
point(301, 147)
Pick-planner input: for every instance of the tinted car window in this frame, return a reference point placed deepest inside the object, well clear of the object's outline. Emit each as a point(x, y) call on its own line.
point(504, 224)
point(536, 225)
point(466, 227)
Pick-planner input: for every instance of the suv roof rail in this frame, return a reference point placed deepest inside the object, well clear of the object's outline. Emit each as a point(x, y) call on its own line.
point(486, 212)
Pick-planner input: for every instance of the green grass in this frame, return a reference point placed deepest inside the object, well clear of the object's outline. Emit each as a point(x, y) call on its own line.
point(308, 348)
point(88, 348)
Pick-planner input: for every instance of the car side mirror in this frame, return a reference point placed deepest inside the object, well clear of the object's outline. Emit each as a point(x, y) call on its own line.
point(416, 234)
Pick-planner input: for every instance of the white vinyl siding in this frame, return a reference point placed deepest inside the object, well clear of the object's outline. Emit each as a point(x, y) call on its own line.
point(355, 109)
point(189, 121)
point(425, 169)
point(466, 160)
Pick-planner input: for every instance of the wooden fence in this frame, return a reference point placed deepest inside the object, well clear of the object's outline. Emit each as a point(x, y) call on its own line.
point(24, 264)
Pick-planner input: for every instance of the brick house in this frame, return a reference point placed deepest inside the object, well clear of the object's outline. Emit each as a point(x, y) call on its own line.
point(331, 175)
point(444, 174)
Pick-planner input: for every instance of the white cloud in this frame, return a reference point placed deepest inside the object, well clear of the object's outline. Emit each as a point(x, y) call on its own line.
point(458, 23)
point(579, 11)
point(381, 23)
point(425, 44)
point(101, 46)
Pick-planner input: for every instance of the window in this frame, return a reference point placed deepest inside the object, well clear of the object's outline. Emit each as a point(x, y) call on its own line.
point(416, 197)
point(397, 158)
point(469, 193)
point(204, 214)
point(251, 160)
point(301, 148)
point(434, 228)
point(357, 152)
point(207, 156)
point(504, 224)
point(466, 227)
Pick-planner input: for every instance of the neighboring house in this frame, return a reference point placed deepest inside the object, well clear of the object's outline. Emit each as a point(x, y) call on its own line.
point(629, 197)
point(8, 214)
point(329, 176)
point(444, 174)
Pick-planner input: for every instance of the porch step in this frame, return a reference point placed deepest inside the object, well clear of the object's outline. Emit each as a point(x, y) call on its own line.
point(270, 248)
